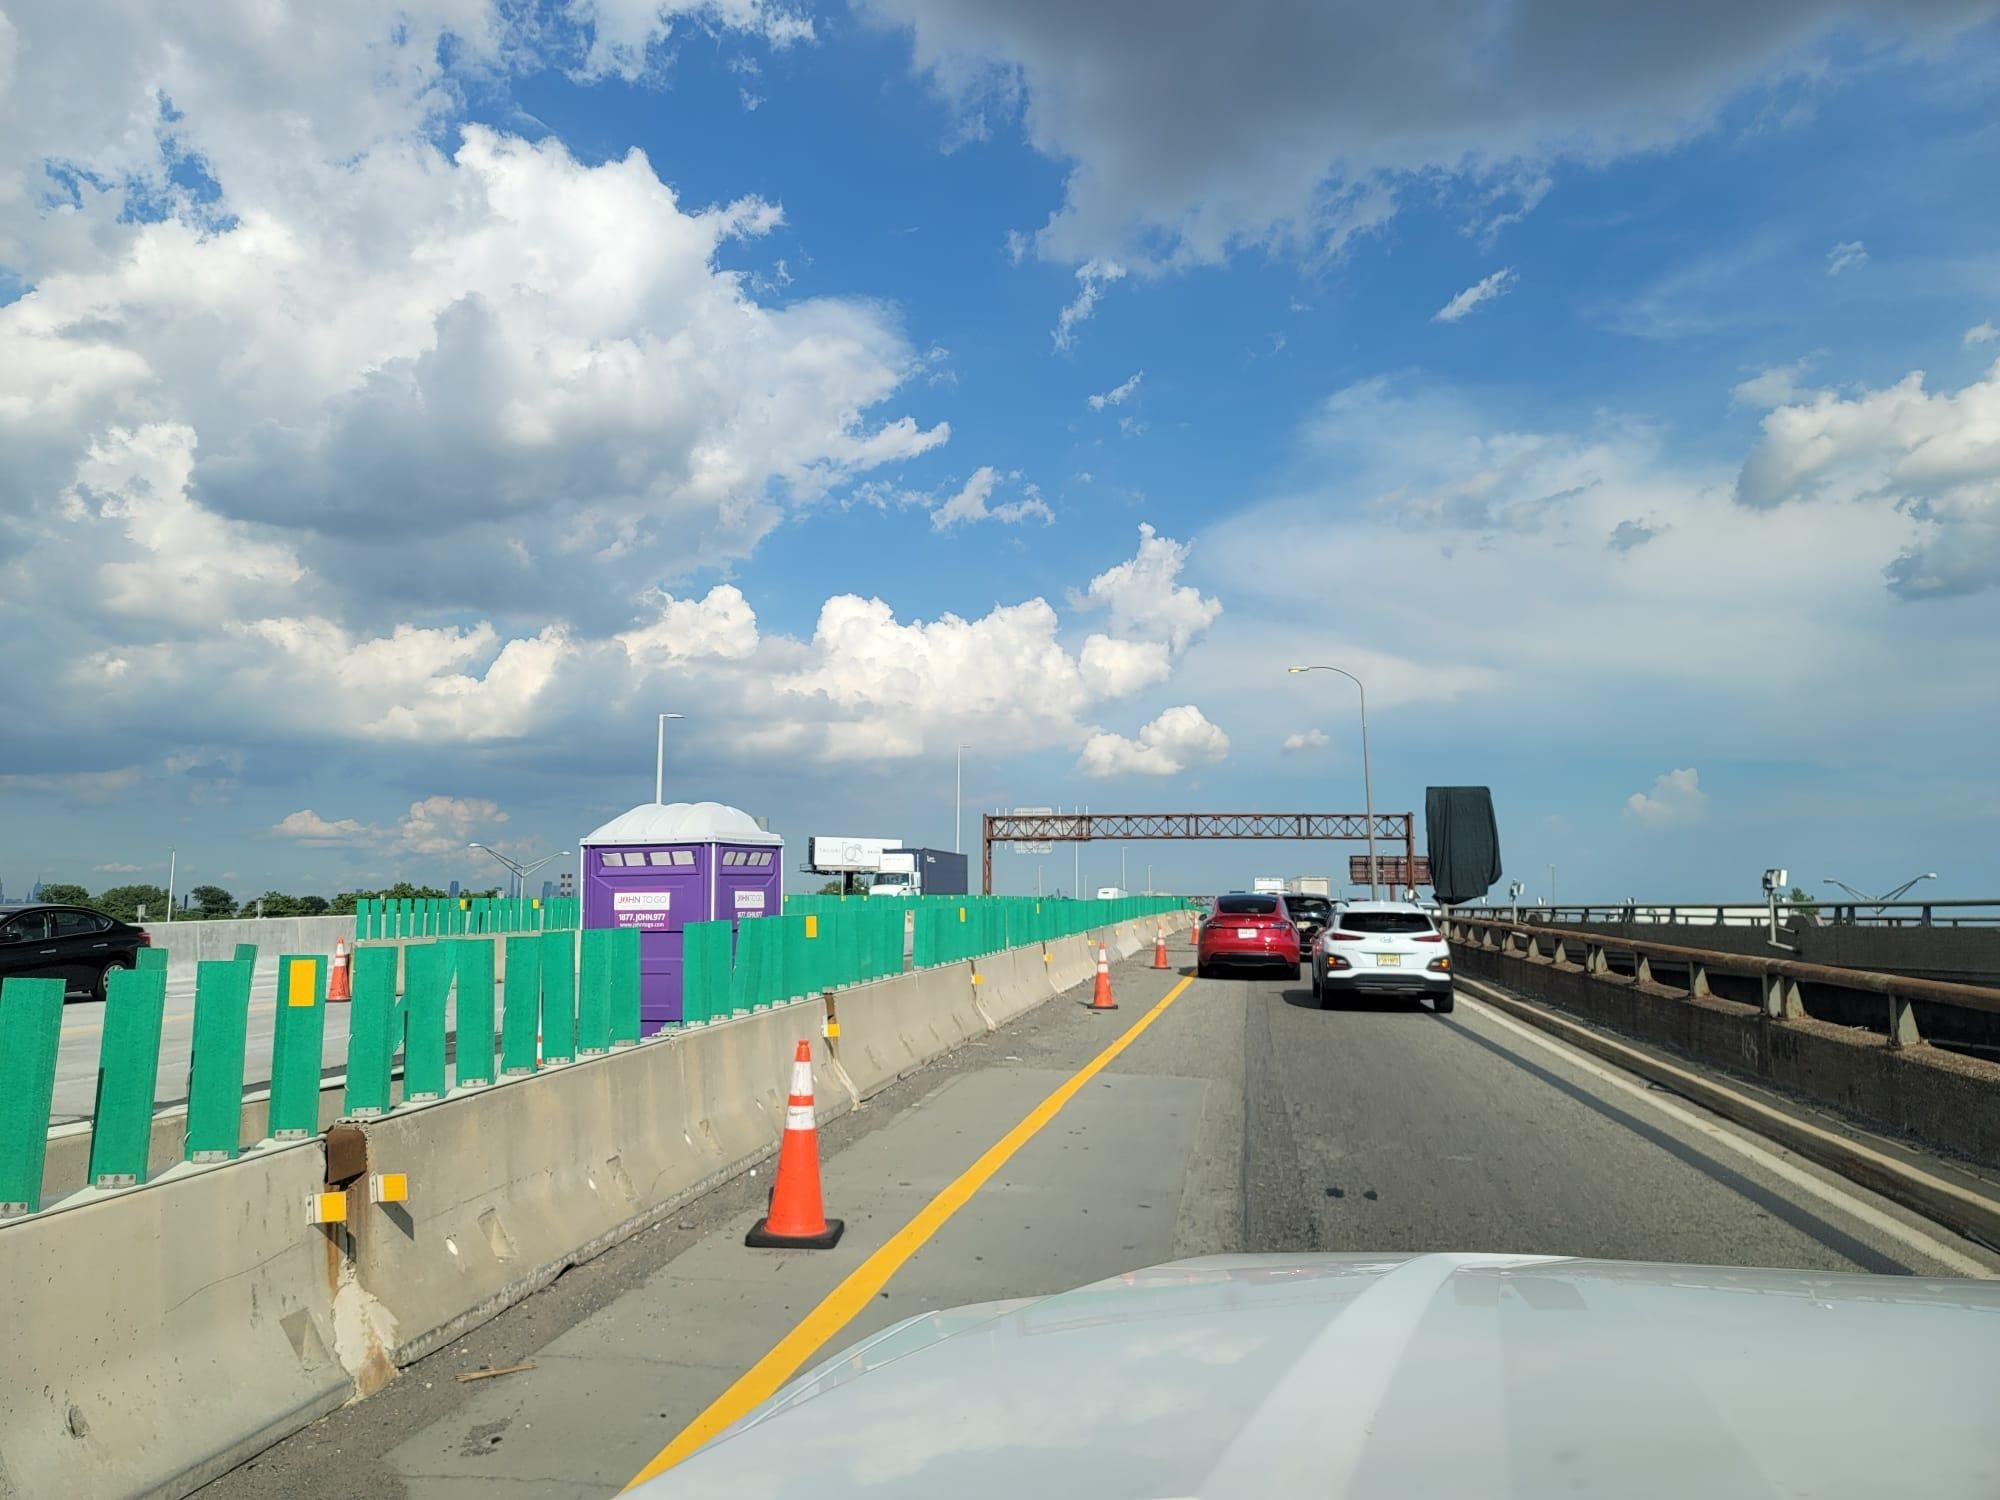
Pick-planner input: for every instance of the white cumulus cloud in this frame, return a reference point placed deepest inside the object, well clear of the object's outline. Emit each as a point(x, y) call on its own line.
point(1117, 395)
point(1305, 739)
point(308, 827)
point(1178, 740)
point(1933, 455)
point(1676, 798)
point(1979, 333)
point(1145, 598)
point(969, 505)
point(1498, 284)
point(1092, 277)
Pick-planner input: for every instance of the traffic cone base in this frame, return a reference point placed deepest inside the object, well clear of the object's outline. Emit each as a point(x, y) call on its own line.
point(797, 1219)
point(1100, 998)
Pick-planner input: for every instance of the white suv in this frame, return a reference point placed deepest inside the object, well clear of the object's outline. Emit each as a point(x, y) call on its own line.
point(1382, 947)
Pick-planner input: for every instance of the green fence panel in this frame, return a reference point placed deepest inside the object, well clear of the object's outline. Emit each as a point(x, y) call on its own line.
point(426, 984)
point(128, 1064)
point(373, 1021)
point(593, 994)
point(30, 1034)
point(520, 1006)
point(846, 946)
point(705, 974)
point(794, 962)
point(746, 990)
point(624, 986)
point(472, 975)
point(558, 996)
point(215, 1063)
point(152, 958)
point(298, 1042)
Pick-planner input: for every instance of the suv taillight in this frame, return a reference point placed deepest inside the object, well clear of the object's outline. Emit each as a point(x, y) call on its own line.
point(145, 938)
point(1430, 937)
point(1334, 936)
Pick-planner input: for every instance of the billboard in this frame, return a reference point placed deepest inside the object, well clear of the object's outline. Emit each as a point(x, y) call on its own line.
point(834, 856)
point(1033, 846)
point(1394, 870)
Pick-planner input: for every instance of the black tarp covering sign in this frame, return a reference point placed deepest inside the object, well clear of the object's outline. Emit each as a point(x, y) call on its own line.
point(1464, 842)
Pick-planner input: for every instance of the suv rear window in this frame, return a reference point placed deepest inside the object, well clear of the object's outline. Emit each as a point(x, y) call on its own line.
point(1384, 923)
point(1246, 906)
point(1316, 908)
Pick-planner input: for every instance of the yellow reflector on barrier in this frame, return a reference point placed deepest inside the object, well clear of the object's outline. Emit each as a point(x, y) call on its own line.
point(812, 927)
point(389, 1187)
point(961, 914)
point(327, 1208)
point(299, 982)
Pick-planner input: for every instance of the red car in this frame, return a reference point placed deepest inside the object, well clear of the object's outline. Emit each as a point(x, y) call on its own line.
point(1245, 931)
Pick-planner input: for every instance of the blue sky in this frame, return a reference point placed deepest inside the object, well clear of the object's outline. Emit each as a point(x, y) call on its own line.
point(405, 405)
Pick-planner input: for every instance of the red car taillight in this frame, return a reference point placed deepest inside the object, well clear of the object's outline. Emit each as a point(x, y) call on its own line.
point(145, 938)
point(1341, 937)
point(1430, 937)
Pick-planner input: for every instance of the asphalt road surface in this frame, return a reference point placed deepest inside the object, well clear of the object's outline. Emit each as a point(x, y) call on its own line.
point(1242, 1118)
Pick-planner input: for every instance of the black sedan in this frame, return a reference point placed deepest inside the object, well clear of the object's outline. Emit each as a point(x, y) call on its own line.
point(1311, 915)
point(71, 943)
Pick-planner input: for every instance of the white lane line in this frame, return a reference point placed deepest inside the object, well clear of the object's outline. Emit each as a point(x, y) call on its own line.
point(1956, 1261)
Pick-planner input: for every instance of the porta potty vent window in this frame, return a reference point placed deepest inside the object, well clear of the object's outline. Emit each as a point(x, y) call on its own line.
point(664, 865)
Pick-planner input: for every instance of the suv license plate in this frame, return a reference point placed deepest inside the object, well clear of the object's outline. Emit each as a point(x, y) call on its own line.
point(1388, 960)
point(1246, 932)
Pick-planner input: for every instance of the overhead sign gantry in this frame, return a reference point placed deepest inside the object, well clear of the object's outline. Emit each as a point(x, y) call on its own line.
point(1039, 827)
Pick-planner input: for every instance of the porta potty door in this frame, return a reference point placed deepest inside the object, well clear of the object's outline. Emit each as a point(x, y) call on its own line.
point(659, 890)
point(749, 882)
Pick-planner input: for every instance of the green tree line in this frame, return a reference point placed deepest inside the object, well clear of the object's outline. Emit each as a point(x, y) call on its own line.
point(211, 903)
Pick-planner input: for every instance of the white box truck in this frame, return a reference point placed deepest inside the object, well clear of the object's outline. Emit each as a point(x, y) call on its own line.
point(1309, 885)
point(1268, 885)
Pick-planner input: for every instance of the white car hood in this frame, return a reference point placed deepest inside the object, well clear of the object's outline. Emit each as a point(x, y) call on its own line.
point(1253, 1377)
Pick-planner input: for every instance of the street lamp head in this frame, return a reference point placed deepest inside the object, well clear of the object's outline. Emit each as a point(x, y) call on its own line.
point(1931, 876)
point(475, 846)
point(1295, 669)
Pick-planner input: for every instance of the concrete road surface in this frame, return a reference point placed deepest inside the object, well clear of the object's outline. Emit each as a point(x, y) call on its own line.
point(1242, 1118)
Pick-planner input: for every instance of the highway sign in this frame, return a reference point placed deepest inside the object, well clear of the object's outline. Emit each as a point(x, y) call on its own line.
point(1394, 871)
point(1033, 846)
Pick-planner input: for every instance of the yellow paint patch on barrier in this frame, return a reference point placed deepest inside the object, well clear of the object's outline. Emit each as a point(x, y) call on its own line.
point(812, 926)
point(299, 984)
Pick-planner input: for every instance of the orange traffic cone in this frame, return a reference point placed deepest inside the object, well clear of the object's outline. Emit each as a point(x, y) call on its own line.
point(1101, 998)
point(797, 1220)
point(1160, 946)
point(339, 983)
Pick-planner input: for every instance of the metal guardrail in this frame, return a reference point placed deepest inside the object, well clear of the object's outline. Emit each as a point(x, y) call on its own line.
point(1975, 913)
point(1779, 978)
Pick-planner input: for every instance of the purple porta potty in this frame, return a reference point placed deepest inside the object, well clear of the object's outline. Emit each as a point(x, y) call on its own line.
point(665, 864)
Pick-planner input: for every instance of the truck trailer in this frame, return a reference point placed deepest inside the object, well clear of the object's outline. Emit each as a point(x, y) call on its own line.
point(920, 872)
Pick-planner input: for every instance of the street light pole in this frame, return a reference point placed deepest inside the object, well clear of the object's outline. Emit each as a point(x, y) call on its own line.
point(659, 763)
point(958, 806)
point(1367, 776)
point(519, 871)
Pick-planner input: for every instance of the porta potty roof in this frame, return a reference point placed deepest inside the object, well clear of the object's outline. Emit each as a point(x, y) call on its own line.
point(682, 823)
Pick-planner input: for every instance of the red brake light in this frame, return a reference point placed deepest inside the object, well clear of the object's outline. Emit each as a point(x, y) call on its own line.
point(145, 938)
point(1430, 937)
point(1334, 936)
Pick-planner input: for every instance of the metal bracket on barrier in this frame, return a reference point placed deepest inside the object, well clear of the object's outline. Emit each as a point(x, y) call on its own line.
point(1782, 1001)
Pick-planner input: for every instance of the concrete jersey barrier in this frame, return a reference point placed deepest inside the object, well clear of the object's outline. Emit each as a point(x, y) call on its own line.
point(205, 1331)
point(240, 1321)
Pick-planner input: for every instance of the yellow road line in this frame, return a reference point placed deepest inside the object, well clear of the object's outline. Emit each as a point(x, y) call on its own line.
point(762, 1380)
